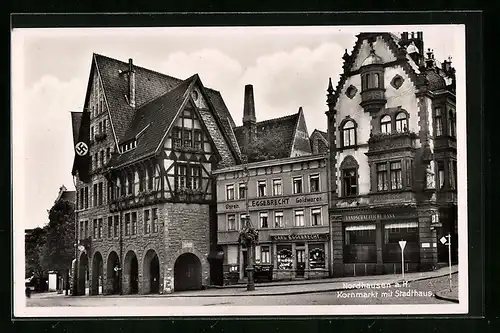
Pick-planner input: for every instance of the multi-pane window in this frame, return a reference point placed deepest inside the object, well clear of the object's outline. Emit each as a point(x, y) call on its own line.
point(349, 134)
point(127, 224)
point(81, 229)
point(150, 173)
point(187, 140)
point(441, 176)
point(134, 223)
point(277, 189)
point(382, 177)
point(100, 196)
point(86, 231)
point(263, 220)
point(176, 137)
point(385, 124)
point(241, 191)
point(261, 188)
point(396, 176)
point(370, 80)
point(297, 185)
point(349, 182)
point(243, 219)
point(230, 192)
point(155, 219)
point(147, 222)
point(401, 122)
point(197, 139)
point(278, 219)
point(264, 255)
point(110, 226)
point(91, 132)
point(86, 197)
point(130, 184)
point(181, 176)
point(81, 203)
point(231, 222)
point(108, 154)
point(316, 216)
point(116, 226)
point(314, 183)
point(438, 120)
point(100, 228)
point(94, 234)
point(299, 218)
point(194, 179)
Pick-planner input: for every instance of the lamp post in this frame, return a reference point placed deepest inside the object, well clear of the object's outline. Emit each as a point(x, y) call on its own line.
point(249, 239)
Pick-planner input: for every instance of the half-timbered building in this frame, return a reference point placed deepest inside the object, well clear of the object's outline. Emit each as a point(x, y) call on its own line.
point(146, 145)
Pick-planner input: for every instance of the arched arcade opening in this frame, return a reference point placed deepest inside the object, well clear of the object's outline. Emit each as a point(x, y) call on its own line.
point(130, 273)
point(187, 272)
point(151, 273)
point(96, 285)
point(113, 273)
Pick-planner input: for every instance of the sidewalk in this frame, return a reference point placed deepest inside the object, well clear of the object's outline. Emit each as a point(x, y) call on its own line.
point(447, 295)
point(301, 287)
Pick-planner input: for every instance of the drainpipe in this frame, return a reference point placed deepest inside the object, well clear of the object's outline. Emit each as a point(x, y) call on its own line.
point(330, 242)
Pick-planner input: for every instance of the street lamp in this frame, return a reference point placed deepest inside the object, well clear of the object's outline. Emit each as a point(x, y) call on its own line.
point(248, 236)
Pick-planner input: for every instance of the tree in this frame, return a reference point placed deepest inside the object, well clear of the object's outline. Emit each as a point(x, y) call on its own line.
point(267, 146)
point(60, 237)
point(34, 244)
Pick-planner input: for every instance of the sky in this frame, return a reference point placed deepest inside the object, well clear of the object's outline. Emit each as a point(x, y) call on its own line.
point(289, 67)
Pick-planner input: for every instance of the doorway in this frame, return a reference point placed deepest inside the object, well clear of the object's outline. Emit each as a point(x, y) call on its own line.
point(301, 263)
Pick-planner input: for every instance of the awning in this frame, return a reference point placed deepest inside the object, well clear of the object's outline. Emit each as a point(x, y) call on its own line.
point(216, 255)
point(401, 225)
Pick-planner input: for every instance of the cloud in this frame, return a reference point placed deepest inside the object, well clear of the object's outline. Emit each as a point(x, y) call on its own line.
point(48, 150)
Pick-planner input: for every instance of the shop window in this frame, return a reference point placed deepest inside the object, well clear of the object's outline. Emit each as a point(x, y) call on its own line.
point(360, 234)
point(441, 174)
point(299, 218)
point(396, 176)
point(277, 190)
point(385, 125)
point(382, 177)
point(278, 219)
point(127, 224)
point(262, 188)
point(241, 191)
point(317, 256)
point(264, 255)
point(349, 134)
point(285, 257)
point(401, 122)
point(147, 222)
point(297, 185)
point(396, 232)
point(230, 192)
point(438, 121)
point(263, 220)
point(349, 182)
point(231, 222)
point(316, 216)
point(314, 183)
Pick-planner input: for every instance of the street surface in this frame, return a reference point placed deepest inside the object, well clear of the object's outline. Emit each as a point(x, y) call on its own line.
point(417, 292)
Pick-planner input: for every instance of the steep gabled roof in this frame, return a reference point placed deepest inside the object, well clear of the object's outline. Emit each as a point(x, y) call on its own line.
point(149, 85)
point(65, 195)
point(284, 127)
point(153, 119)
point(318, 132)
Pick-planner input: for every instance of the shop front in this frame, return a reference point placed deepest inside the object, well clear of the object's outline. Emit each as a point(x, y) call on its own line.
point(368, 243)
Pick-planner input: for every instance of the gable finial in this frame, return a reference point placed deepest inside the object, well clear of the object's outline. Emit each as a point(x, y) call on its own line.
point(330, 86)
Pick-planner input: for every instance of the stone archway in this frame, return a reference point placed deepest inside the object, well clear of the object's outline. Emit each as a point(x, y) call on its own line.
point(83, 274)
point(130, 273)
point(187, 272)
point(113, 270)
point(96, 285)
point(151, 273)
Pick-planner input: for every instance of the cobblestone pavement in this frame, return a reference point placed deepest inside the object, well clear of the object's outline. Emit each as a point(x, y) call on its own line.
point(418, 292)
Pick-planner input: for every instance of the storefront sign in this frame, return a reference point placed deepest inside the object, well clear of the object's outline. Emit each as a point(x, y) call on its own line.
point(374, 217)
point(232, 206)
point(294, 237)
point(286, 201)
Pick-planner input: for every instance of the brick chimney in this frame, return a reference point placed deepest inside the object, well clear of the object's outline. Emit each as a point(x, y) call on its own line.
point(131, 83)
point(249, 120)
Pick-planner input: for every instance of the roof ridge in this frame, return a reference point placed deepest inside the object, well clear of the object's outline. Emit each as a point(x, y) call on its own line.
point(165, 93)
point(290, 116)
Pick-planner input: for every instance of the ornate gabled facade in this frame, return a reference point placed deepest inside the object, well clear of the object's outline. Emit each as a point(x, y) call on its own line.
point(146, 145)
point(392, 139)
